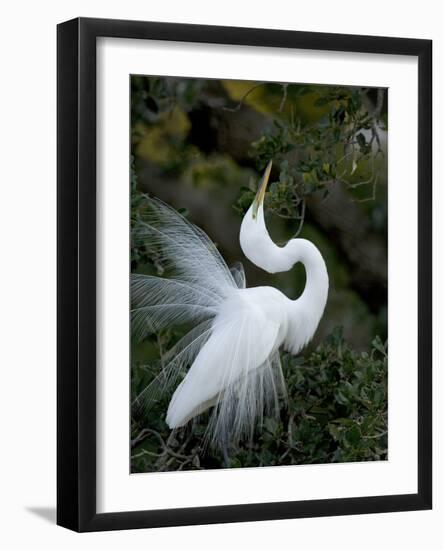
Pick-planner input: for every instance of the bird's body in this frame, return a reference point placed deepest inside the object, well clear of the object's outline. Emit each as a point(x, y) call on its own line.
point(233, 349)
point(239, 317)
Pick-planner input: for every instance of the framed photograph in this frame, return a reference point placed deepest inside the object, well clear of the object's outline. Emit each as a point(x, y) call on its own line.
point(244, 274)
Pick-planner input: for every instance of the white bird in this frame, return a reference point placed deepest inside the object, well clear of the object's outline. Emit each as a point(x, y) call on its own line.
point(233, 347)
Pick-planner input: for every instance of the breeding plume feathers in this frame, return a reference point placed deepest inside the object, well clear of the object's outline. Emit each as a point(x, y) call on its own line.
point(229, 361)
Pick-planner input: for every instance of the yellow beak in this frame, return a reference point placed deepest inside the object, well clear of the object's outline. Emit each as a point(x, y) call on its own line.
point(260, 196)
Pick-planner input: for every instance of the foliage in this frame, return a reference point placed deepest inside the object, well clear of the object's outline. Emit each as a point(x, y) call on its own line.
point(330, 149)
point(318, 137)
point(335, 411)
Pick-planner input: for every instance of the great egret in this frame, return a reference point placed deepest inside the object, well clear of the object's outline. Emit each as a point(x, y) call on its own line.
point(233, 347)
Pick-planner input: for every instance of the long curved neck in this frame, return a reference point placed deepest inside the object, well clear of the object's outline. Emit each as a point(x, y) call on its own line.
point(315, 292)
point(304, 314)
point(259, 248)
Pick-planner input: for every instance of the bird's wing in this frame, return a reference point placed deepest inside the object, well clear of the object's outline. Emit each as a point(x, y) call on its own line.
point(184, 249)
point(158, 303)
point(237, 370)
point(238, 273)
point(201, 282)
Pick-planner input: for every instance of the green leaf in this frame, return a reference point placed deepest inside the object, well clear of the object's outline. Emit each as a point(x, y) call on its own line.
point(353, 435)
point(340, 398)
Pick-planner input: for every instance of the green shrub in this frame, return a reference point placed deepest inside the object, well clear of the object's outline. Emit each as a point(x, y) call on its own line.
point(335, 411)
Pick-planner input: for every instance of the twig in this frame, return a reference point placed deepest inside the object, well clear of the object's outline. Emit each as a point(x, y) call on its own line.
point(283, 99)
point(242, 99)
point(376, 117)
point(302, 219)
point(374, 187)
point(144, 433)
point(376, 436)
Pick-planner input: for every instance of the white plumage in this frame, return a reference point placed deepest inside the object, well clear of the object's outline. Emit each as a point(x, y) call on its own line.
point(230, 359)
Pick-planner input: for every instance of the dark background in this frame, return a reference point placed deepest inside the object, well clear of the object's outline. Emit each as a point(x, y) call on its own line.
point(201, 146)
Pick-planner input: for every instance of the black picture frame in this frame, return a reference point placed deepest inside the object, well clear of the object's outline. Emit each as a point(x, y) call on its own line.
point(76, 264)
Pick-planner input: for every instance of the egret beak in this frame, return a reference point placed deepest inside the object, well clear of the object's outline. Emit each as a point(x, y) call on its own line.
point(260, 196)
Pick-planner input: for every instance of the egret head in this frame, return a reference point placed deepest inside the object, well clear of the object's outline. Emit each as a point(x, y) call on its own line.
point(260, 196)
point(255, 241)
